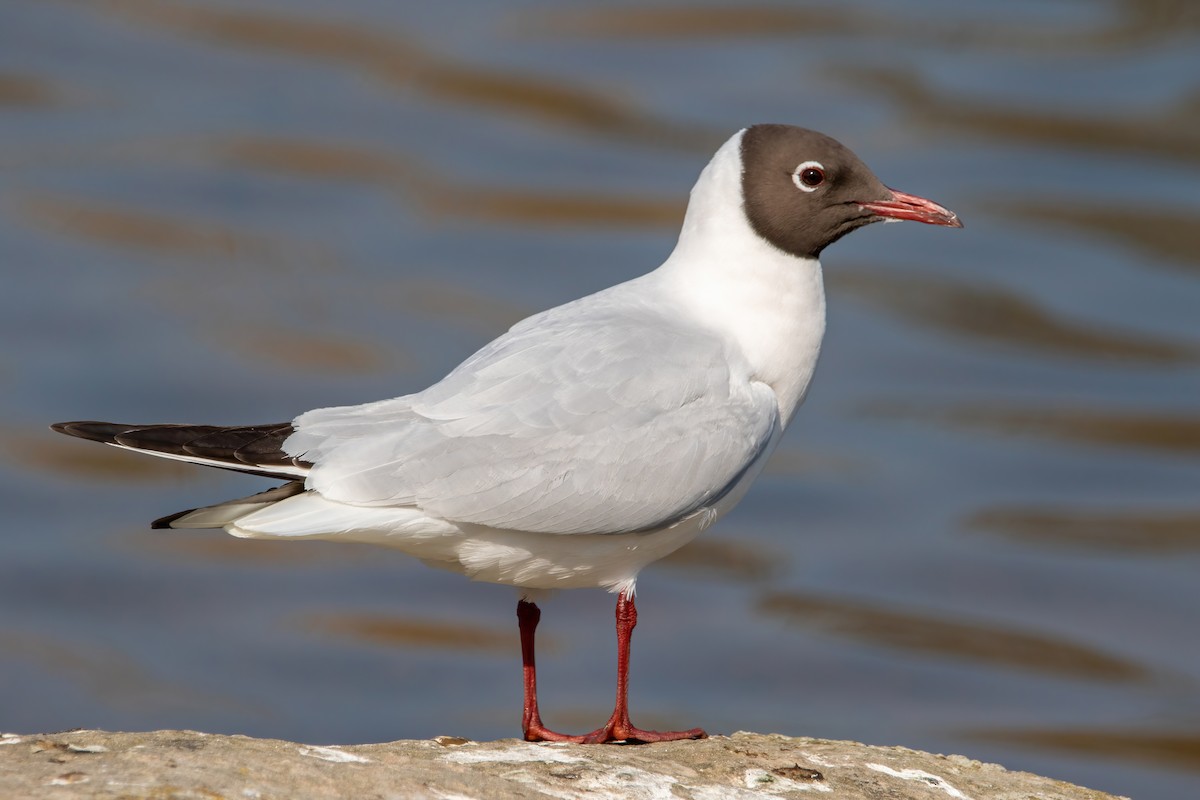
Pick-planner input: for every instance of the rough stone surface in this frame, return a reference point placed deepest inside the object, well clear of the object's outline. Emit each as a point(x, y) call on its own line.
point(745, 766)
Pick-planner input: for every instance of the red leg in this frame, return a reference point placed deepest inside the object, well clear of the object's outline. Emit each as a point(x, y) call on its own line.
point(618, 727)
point(528, 616)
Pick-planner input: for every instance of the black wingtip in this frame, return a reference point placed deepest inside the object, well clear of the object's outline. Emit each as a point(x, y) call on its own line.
point(255, 449)
point(90, 429)
point(164, 523)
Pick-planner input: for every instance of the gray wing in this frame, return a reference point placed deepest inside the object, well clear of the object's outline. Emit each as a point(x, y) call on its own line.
point(592, 421)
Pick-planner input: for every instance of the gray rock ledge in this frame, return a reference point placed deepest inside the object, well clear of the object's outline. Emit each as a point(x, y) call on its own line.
point(184, 764)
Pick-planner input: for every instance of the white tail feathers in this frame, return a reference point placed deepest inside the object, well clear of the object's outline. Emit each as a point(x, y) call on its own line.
point(223, 514)
point(310, 514)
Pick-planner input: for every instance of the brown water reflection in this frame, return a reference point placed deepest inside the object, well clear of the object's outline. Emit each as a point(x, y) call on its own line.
point(306, 350)
point(1170, 234)
point(1133, 23)
point(1171, 133)
point(147, 151)
point(735, 558)
point(25, 91)
point(1162, 431)
point(1138, 22)
point(201, 300)
point(467, 307)
point(1149, 532)
point(1177, 750)
point(997, 315)
point(107, 674)
point(399, 632)
point(972, 640)
point(397, 61)
point(137, 229)
point(691, 22)
point(444, 195)
point(52, 453)
point(313, 159)
point(796, 461)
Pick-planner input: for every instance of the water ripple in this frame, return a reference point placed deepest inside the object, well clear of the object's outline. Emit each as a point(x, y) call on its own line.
point(1167, 432)
point(1144, 532)
point(1175, 749)
point(445, 195)
point(970, 640)
point(1170, 134)
point(1169, 235)
point(396, 61)
point(1000, 316)
point(400, 632)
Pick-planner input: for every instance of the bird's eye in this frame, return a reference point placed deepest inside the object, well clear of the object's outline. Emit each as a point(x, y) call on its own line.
point(808, 176)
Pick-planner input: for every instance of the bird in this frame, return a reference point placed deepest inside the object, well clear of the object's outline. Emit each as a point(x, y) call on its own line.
point(593, 438)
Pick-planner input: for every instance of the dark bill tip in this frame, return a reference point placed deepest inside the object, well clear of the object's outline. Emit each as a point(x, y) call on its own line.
point(917, 209)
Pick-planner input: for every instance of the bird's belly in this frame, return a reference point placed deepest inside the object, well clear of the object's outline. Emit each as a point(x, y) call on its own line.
point(569, 561)
point(536, 561)
point(577, 561)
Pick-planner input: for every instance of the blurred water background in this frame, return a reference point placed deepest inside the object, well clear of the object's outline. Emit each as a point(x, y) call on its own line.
point(981, 536)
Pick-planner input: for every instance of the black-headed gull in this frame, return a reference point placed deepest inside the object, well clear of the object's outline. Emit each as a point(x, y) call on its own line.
point(591, 439)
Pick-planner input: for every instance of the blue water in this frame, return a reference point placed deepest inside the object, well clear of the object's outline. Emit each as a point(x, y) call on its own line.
point(982, 535)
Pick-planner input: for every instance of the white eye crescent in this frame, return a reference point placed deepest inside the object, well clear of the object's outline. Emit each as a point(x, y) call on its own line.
point(808, 176)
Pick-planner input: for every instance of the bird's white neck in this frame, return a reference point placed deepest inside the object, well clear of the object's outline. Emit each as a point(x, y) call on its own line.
point(769, 304)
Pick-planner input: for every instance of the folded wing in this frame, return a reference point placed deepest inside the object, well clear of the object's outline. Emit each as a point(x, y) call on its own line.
point(581, 420)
